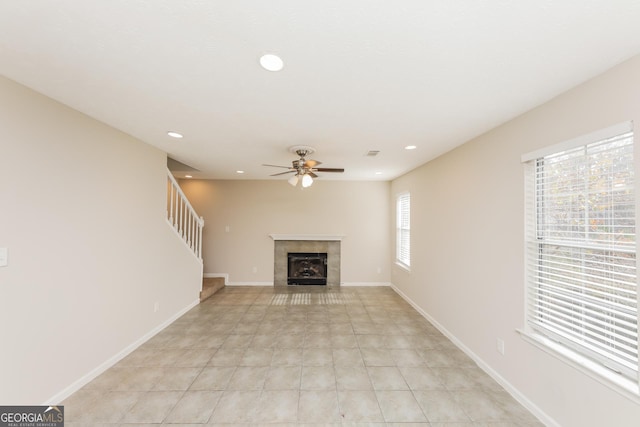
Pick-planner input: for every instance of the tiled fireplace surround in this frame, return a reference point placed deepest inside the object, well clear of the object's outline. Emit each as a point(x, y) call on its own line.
point(286, 243)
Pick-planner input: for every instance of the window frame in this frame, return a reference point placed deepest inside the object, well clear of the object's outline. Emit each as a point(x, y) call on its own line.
point(621, 380)
point(403, 230)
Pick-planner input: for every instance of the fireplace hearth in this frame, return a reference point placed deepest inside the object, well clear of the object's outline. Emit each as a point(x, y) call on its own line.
point(305, 268)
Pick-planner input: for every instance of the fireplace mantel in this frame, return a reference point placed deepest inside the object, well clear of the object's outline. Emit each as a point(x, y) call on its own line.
point(308, 237)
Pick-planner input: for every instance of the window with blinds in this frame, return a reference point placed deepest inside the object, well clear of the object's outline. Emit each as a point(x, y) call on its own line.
point(403, 230)
point(581, 248)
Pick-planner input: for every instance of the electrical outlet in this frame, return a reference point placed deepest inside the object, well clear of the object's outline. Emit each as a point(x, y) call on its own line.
point(227, 228)
point(254, 269)
point(500, 346)
point(4, 257)
point(156, 307)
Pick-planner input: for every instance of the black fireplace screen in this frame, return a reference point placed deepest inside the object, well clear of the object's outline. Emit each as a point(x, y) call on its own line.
point(307, 269)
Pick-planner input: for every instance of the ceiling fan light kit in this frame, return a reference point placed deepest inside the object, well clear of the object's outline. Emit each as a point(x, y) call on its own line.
point(304, 169)
point(306, 180)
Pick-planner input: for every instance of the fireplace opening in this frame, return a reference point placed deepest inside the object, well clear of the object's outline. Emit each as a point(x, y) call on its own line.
point(307, 268)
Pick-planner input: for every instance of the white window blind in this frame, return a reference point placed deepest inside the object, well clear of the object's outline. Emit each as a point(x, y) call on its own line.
point(403, 230)
point(581, 250)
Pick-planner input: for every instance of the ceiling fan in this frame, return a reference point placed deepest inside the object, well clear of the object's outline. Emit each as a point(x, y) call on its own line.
point(304, 169)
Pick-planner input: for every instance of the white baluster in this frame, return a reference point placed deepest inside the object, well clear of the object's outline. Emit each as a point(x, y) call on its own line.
point(183, 217)
point(170, 201)
point(175, 212)
point(173, 209)
point(180, 216)
point(193, 229)
point(193, 232)
point(200, 237)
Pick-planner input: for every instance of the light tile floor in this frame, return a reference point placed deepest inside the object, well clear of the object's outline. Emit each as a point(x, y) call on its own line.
point(297, 356)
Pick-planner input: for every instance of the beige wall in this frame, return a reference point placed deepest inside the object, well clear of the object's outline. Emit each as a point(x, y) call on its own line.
point(255, 209)
point(82, 212)
point(468, 249)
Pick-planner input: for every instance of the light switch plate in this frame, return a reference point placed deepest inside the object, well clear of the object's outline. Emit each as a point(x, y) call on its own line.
point(4, 257)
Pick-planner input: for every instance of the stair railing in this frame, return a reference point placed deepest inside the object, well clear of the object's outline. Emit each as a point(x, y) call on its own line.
point(182, 217)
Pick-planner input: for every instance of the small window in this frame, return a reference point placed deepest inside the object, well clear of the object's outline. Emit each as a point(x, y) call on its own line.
point(403, 230)
point(581, 248)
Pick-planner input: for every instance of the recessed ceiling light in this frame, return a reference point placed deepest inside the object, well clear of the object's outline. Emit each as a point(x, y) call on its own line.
point(410, 147)
point(173, 134)
point(188, 176)
point(378, 173)
point(271, 62)
point(239, 171)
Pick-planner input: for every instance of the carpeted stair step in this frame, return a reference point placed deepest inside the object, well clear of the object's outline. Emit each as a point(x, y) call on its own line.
point(211, 285)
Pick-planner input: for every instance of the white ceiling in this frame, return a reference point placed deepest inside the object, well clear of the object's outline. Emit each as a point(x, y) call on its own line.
point(359, 75)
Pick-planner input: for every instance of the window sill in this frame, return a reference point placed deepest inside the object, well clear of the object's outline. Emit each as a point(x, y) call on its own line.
point(403, 266)
point(611, 379)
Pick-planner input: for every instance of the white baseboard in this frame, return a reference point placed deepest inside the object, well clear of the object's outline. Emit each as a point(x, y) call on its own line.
point(515, 393)
point(228, 283)
point(85, 379)
point(250, 284)
point(346, 284)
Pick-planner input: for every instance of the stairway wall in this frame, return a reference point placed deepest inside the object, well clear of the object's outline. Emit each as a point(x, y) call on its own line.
point(91, 255)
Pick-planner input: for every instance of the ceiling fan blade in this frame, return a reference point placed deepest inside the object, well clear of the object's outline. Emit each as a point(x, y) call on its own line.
point(312, 175)
point(311, 163)
point(328, 169)
point(277, 166)
point(282, 173)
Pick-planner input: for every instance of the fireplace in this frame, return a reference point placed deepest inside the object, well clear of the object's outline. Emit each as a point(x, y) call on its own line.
point(328, 245)
point(306, 268)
